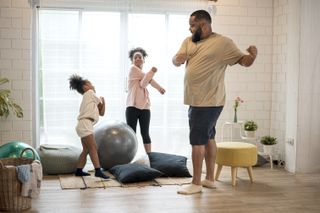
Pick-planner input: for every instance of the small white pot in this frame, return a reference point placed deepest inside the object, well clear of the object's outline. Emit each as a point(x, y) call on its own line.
point(268, 149)
point(250, 134)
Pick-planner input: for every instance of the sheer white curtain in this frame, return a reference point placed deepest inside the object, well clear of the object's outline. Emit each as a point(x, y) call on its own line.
point(94, 42)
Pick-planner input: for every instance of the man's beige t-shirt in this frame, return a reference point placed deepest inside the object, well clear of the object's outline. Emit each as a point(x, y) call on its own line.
point(205, 69)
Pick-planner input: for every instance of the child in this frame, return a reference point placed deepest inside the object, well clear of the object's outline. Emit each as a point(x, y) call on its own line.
point(90, 109)
point(138, 101)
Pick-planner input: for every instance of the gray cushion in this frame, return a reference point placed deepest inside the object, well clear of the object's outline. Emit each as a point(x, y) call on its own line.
point(58, 159)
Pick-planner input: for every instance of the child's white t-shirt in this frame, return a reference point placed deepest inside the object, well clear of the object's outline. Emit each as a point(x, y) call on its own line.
point(89, 106)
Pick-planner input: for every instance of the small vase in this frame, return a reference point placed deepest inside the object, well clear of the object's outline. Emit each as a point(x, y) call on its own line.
point(235, 118)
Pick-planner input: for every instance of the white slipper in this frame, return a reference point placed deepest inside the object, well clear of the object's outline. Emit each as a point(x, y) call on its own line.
point(208, 184)
point(190, 189)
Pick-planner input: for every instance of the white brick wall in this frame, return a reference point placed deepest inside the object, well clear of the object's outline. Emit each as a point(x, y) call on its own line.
point(248, 22)
point(15, 43)
point(278, 110)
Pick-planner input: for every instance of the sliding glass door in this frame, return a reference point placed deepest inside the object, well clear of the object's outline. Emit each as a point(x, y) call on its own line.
point(95, 45)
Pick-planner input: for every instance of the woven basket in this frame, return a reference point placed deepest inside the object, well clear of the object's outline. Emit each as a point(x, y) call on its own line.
point(10, 186)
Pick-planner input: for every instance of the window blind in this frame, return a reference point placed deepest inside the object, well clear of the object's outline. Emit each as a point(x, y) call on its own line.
point(127, 5)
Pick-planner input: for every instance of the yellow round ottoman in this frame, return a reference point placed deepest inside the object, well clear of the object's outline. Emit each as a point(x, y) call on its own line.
point(236, 154)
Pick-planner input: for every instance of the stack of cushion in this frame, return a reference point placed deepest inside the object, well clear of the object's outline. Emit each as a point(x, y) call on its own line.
point(161, 165)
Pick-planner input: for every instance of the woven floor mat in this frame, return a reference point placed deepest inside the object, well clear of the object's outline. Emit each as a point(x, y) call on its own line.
point(73, 182)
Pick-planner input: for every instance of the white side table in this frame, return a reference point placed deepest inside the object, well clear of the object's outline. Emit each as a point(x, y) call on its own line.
point(231, 125)
point(268, 150)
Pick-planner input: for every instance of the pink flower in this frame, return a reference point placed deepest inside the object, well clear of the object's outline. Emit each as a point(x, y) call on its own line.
point(237, 102)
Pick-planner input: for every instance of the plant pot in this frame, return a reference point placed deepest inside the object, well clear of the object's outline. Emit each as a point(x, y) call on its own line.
point(249, 134)
point(268, 149)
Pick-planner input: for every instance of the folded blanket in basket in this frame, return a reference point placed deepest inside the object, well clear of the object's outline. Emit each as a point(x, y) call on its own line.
point(23, 172)
point(30, 186)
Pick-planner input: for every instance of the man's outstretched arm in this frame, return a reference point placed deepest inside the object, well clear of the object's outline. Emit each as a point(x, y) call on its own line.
point(247, 60)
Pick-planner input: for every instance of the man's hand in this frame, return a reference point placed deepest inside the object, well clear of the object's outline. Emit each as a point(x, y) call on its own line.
point(252, 50)
point(247, 60)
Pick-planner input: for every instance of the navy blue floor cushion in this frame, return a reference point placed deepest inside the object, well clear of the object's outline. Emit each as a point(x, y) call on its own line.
point(131, 173)
point(170, 165)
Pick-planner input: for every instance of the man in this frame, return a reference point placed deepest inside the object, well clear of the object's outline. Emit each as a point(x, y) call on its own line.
point(206, 55)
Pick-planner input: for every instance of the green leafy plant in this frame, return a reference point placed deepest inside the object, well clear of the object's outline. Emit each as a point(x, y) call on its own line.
point(250, 125)
point(268, 140)
point(7, 104)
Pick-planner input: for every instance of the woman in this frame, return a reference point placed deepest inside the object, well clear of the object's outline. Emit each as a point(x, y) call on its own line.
point(138, 101)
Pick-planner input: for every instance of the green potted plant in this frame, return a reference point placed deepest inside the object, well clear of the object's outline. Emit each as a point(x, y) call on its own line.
point(7, 104)
point(268, 142)
point(250, 128)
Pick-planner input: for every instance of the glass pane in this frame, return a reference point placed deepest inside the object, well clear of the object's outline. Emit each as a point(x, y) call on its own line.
point(94, 45)
point(71, 42)
point(59, 38)
point(101, 60)
point(161, 36)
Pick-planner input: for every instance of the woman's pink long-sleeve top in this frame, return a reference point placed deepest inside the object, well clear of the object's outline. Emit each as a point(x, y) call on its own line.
point(138, 95)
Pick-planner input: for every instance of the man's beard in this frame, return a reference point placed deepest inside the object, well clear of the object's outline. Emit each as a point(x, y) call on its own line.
point(196, 36)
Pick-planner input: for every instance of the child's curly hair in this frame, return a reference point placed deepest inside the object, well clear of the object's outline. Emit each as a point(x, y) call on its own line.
point(138, 49)
point(76, 83)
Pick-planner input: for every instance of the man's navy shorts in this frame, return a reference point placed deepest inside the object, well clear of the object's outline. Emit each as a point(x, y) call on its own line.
point(202, 122)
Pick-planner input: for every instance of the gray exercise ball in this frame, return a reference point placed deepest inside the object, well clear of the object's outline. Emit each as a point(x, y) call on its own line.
point(116, 143)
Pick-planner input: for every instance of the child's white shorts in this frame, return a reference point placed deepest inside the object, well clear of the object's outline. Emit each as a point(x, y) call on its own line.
point(84, 128)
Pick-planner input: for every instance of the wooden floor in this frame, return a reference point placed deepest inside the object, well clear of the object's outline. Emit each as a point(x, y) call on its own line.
point(273, 191)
